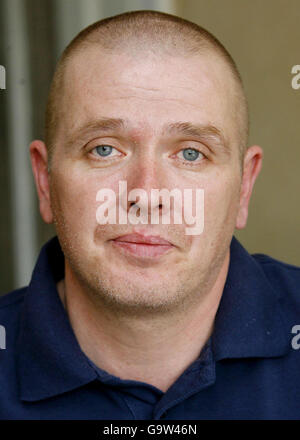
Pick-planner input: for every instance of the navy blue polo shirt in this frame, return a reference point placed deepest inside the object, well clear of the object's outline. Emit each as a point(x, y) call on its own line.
point(249, 368)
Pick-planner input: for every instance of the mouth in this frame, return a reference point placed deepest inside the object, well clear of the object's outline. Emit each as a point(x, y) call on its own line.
point(143, 246)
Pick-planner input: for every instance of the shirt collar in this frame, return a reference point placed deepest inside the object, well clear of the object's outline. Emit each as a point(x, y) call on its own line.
point(50, 360)
point(249, 322)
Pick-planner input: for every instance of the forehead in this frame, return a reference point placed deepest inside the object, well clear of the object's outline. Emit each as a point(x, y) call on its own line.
point(150, 89)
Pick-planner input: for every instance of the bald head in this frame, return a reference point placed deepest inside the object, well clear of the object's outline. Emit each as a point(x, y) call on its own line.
point(137, 34)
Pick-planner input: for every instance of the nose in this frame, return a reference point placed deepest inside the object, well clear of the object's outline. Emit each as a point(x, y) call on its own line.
point(147, 174)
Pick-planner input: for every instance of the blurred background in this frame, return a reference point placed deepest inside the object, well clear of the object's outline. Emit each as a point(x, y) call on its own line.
point(262, 36)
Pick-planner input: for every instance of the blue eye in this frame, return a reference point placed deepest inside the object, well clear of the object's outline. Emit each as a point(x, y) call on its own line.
point(190, 154)
point(103, 150)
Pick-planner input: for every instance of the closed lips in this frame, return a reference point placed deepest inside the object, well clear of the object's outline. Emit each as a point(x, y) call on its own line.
point(142, 239)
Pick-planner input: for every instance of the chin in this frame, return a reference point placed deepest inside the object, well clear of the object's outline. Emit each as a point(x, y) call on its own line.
point(134, 296)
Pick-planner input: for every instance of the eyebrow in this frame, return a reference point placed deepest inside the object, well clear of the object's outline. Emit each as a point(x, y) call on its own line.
point(102, 124)
point(188, 129)
point(199, 131)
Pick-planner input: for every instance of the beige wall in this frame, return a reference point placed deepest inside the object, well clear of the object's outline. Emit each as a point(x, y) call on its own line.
point(263, 36)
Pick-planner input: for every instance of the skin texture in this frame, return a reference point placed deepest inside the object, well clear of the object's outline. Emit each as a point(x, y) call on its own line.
point(138, 318)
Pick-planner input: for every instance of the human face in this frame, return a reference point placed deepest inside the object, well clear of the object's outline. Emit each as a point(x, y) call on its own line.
point(148, 93)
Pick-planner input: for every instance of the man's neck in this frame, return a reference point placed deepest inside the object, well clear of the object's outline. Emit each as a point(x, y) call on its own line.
point(151, 349)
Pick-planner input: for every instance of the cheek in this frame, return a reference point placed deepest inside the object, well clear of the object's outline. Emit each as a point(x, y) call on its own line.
point(73, 197)
point(221, 198)
point(73, 200)
point(221, 202)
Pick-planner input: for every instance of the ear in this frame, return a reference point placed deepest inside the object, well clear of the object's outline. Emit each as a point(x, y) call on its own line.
point(252, 166)
point(39, 163)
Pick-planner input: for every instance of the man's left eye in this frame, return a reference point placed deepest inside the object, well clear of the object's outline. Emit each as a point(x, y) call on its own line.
point(190, 154)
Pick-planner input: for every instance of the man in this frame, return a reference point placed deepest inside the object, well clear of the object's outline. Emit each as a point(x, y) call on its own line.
point(145, 321)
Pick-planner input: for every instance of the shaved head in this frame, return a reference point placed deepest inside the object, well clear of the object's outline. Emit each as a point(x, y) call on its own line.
point(142, 33)
point(155, 102)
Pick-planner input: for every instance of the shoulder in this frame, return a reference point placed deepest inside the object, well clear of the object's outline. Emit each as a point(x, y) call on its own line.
point(275, 267)
point(10, 305)
point(10, 314)
point(10, 298)
point(283, 276)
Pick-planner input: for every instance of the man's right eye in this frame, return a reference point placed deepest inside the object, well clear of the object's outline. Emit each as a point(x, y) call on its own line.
point(104, 151)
